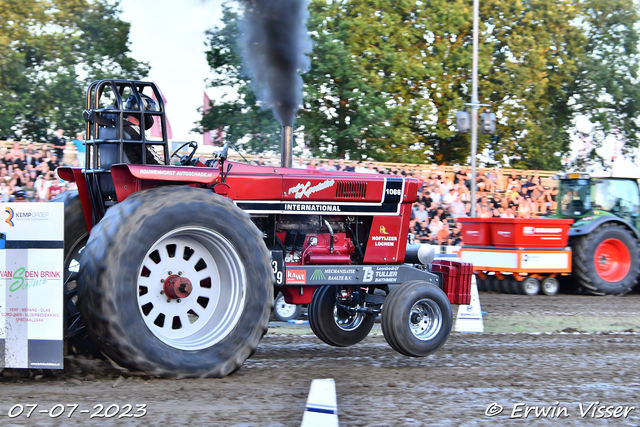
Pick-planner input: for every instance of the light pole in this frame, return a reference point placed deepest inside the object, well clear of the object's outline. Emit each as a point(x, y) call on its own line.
point(474, 107)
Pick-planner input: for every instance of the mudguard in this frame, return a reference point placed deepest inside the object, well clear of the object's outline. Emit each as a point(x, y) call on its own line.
point(590, 226)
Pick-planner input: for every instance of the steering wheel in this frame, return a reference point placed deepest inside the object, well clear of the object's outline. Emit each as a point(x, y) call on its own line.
point(186, 159)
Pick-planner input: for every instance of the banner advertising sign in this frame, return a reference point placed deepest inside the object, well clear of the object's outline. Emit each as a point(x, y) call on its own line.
point(31, 285)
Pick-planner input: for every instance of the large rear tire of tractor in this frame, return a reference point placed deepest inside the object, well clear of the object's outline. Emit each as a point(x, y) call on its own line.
point(176, 282)
point(335, 325)
point(605, 262)
point(416, 318)
point(75, 238)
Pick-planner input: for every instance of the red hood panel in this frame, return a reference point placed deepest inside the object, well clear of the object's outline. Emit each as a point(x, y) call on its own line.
point(174, 173)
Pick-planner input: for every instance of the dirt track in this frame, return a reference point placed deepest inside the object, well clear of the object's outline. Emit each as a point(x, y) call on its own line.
point(375, 385)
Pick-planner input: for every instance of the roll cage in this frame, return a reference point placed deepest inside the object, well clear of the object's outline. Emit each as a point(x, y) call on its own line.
point(105, 136)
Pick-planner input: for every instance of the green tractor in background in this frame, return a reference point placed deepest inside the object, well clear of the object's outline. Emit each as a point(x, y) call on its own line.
point(604, 237)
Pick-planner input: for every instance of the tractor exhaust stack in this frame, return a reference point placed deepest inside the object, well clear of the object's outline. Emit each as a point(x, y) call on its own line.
point(287, 147)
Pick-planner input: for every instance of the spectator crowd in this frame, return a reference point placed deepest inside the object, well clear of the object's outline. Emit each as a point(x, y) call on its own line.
point(445, 197)
point(28, 174)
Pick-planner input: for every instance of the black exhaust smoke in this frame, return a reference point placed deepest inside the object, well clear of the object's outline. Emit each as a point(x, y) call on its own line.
point(276, 42)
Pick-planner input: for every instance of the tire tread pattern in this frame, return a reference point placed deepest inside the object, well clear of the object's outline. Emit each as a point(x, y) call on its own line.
point(108, 308)
point(324, 326)
point(395, 324)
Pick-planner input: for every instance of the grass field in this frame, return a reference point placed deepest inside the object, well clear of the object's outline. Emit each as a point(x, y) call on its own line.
point(505, 324)
point(519, 313)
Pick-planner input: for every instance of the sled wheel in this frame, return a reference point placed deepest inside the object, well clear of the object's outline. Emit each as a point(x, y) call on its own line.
point(416, 318)
point(494, 284)
point(176, 282)
point(550, 286)
point(505, 285)
point(530, 286)
point(336, 325)
point(284, 312)
point(605, 261)
point(482, 283)
point(515, 286)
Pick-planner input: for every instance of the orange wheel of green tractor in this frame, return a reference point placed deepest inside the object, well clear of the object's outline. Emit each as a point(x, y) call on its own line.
point(605, 261)
point(612, 260)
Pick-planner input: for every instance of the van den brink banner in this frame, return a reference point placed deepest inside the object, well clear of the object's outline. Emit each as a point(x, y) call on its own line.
point(31, 285)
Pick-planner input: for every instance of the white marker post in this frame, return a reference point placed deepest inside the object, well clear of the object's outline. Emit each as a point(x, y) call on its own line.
point(322, 406)
point(470, 316)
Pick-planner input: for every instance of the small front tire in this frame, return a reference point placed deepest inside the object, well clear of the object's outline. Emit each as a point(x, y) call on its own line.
point(416, 319)
point(336, 325)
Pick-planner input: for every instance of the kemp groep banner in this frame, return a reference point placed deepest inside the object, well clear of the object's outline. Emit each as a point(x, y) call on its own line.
point(31, 285)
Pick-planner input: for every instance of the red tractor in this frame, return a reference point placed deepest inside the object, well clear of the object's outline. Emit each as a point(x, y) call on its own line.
point(172, 269)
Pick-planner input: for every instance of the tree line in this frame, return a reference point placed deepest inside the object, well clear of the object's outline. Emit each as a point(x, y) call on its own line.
point(50, 50)
point(387, 78)
point(385, 82)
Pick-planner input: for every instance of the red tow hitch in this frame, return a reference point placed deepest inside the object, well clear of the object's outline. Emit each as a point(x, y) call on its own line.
point(177, 287)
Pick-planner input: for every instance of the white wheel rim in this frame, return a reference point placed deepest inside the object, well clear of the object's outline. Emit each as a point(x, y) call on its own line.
point(425, 319)
point(345, 320)
point(216, 302)
point(550, 286)
point(283, 309)
point(531, 286)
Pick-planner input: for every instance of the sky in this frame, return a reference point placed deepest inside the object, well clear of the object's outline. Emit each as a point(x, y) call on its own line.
point(170, 36)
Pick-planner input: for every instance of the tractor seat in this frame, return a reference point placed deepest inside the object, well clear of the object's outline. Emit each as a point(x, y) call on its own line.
point(110, 155)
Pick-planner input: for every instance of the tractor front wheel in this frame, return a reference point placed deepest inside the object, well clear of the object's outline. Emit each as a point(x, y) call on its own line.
point(605, 262)
point(334, 324)
point(176, 281)
point(416, 318)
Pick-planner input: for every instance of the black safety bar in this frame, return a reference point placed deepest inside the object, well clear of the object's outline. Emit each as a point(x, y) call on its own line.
point(113, 116)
